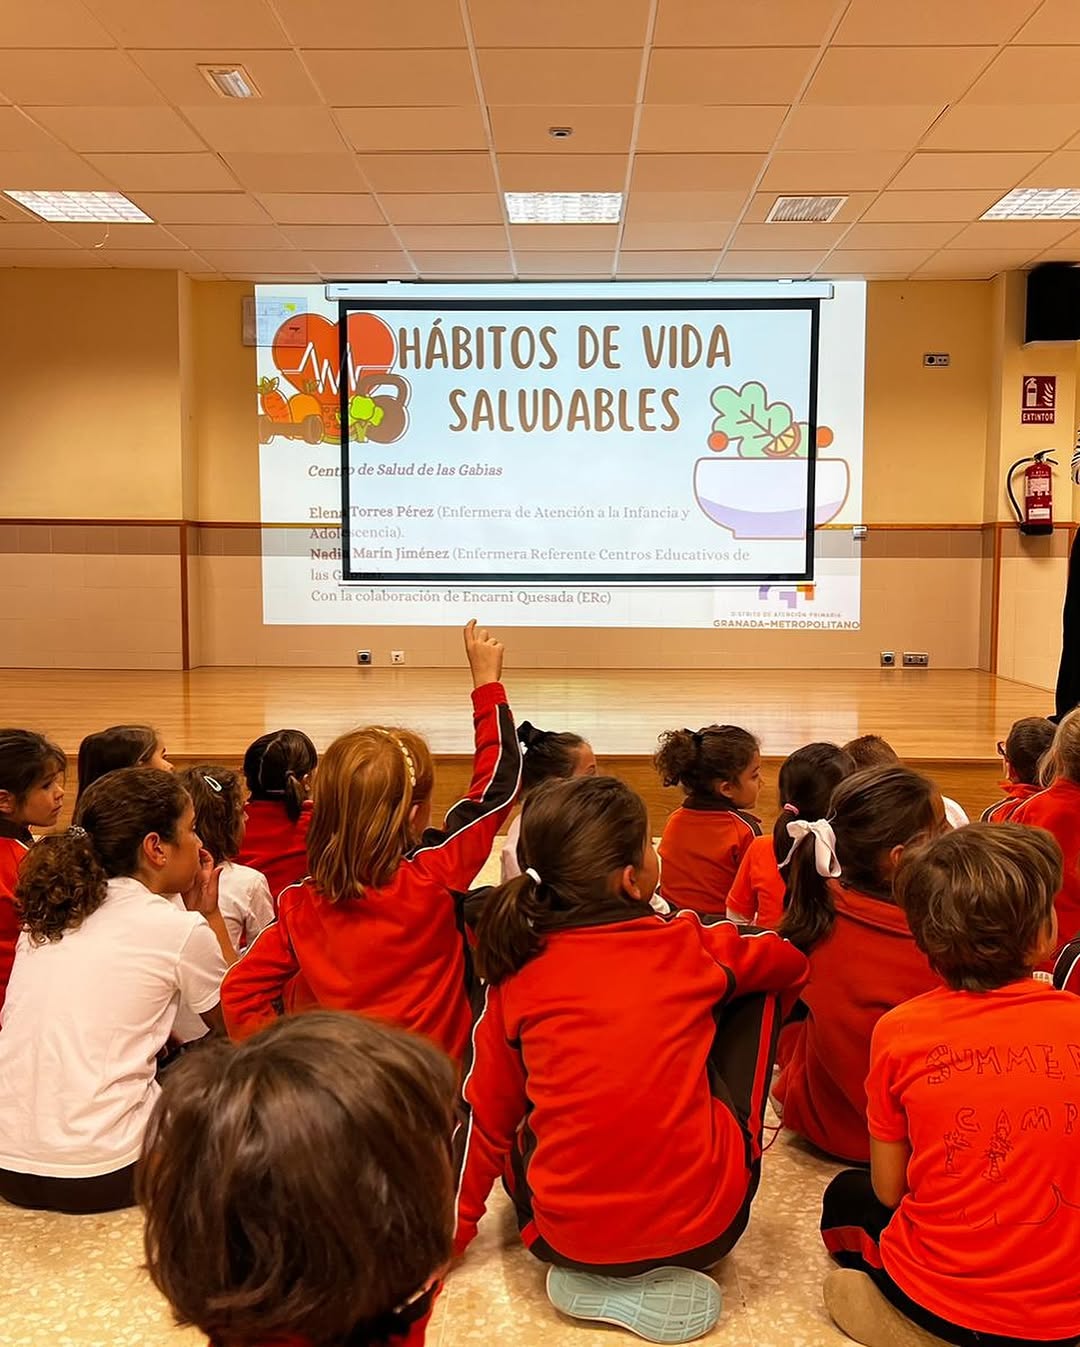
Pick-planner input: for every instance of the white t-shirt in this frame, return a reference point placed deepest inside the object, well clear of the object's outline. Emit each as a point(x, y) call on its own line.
point(508, 857)
point(244, 903)
point(83, 1022)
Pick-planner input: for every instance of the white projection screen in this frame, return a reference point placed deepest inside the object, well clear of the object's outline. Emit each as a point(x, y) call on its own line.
point(561, 455)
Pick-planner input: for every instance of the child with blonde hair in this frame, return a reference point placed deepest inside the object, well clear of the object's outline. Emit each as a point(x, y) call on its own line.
point(375, 928)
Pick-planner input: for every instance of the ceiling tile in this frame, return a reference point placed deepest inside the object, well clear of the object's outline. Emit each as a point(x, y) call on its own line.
point(19, 133)
point(820, 126)
point(375, 129)
point(895, 260)
point(1058, 170)
point(237, 259)
point(563, 173)
point(344, 23)
point(427, 172)
point(698, 235)
point(771, 262)
point(296, 172)
point(869, 23)
point(57, 170)
point(704, 23)
point(41, 235)
point(583, 76)
point(189, 23)
point(539, 263)
point(280, 75)
point(111, 238)
point(559, 23)
point(830, 170)
point(797, 237)
point(394, 79)
point(583, 238)
point(351, 262)
point(442, 207)
point(597, 130)
point(678, 172)
point(984, 126)
point(646, 207)
point(762, 203)
point(254, 237)
point(850, 76)
point(200, 207)
point(973, 262)
point(348, 238)
point(149, 130)
point(908, 235)
point(1054, 21)
point(164, 172)
point(252, 128)
point(73, 79)
point(1018, 71)
point(1006, 235)
point(951, 171)
point(672, 127)
point(748, 76)
point(60, 23)
point(667, 262)
point(452, 238)
point(898, 207)
point(180, 259)
point(50, 257)
point(327, 208)
point(459, 264)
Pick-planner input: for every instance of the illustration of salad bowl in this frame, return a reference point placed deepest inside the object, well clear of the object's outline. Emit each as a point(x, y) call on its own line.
point(760, 490)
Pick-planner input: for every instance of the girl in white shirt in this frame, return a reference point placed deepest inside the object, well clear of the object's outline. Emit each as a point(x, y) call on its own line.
point(547, 756)
point(219, 795)
point(102, 964)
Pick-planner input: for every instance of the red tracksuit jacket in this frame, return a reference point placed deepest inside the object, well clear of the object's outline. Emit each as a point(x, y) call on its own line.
point(395, 953)
point(1057, 809)
point(275, 845)
point(591, 1066)
point(1016, 792)
point(702, 847)
point(15, 842)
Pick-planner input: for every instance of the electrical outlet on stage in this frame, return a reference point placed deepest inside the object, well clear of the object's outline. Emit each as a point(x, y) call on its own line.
point(363, 657)
point(888, 659)
point(913, 660)
point(397, 656)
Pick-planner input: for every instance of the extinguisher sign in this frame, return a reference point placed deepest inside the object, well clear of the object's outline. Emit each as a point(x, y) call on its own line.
point(1038, 399)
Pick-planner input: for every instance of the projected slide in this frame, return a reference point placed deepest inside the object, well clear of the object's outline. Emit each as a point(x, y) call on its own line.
point(560, 458)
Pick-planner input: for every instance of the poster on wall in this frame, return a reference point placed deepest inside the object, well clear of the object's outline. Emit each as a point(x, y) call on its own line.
point(555, 458)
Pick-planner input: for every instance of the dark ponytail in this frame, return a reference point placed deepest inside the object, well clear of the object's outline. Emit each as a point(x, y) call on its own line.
point(27, 760)
point(62, 879)
point(806, 784)
point(698, 759)
point(548, 755)
point(275, 766)
point(871, 812)
point(574, 835)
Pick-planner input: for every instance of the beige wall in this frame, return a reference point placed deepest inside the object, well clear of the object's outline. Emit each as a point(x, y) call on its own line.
point(140, 405)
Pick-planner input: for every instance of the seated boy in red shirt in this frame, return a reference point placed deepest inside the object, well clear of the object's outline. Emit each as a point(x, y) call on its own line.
point(967, 1224)
point(1022, 753)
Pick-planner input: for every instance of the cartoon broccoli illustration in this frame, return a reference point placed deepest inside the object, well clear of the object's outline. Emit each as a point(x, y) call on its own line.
point(363, 413)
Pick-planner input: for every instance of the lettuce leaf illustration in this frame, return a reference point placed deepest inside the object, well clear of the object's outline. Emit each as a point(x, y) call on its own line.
point(762, 429)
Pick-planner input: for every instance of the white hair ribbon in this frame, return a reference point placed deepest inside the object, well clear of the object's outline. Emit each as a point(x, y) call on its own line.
point(828, 867)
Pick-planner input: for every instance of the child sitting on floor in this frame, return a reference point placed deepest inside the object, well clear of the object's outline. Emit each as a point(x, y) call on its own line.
point(967, 1225)
point(806, 783)
point(120, 746)
point(871, 750)
point(278, 768)
point(1023, 751)
point(620, 1067)
point(705, 839)
point(548, 756)
point(298, 1188)
point(863, 959)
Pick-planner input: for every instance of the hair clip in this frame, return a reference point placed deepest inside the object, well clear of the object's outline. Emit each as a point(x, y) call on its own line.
point(77, 832)
point(213, 783)
point(792, 809)
point(533, 875)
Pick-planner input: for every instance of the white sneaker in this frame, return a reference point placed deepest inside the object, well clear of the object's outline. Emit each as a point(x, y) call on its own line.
point(669, 1304)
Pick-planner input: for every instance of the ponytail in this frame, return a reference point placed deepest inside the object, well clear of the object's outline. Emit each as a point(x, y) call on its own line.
point(810, 912)
point(61, 881)
point(506, 933)
point(697, 759)
point(806, 783)
point(275, 766)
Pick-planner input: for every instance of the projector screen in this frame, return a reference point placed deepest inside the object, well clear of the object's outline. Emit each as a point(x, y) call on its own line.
point(561, 455)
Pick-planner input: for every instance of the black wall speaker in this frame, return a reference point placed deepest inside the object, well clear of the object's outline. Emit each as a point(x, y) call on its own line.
point(1053, 303)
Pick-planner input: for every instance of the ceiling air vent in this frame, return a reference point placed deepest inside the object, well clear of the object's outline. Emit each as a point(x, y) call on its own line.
point(805, 209)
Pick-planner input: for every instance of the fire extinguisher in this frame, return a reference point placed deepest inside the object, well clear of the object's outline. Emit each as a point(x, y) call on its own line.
point(1037, 516)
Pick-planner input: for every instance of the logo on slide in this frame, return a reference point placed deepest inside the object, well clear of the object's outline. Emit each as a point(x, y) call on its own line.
point(305, 354)
point(759, 491)
point(790, 597)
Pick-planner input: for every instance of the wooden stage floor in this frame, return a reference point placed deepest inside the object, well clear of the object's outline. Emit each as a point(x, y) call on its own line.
point(946, 722)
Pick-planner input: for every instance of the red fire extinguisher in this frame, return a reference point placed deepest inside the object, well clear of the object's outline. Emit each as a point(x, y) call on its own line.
point(1037, 516)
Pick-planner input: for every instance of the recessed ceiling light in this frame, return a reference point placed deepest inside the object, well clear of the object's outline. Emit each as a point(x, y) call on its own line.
point(564, 207)
point(81, 207)
point(231, 81)
point(805, 209)
point(1036, 203)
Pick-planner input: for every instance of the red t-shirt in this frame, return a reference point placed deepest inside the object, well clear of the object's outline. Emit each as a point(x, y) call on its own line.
point(985, 1087)
point(275, 845)
point(701, 850)
point(1057, 809)
point(868, 964)
point(757, 894)
point(1016, 792)
point(12, 849)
